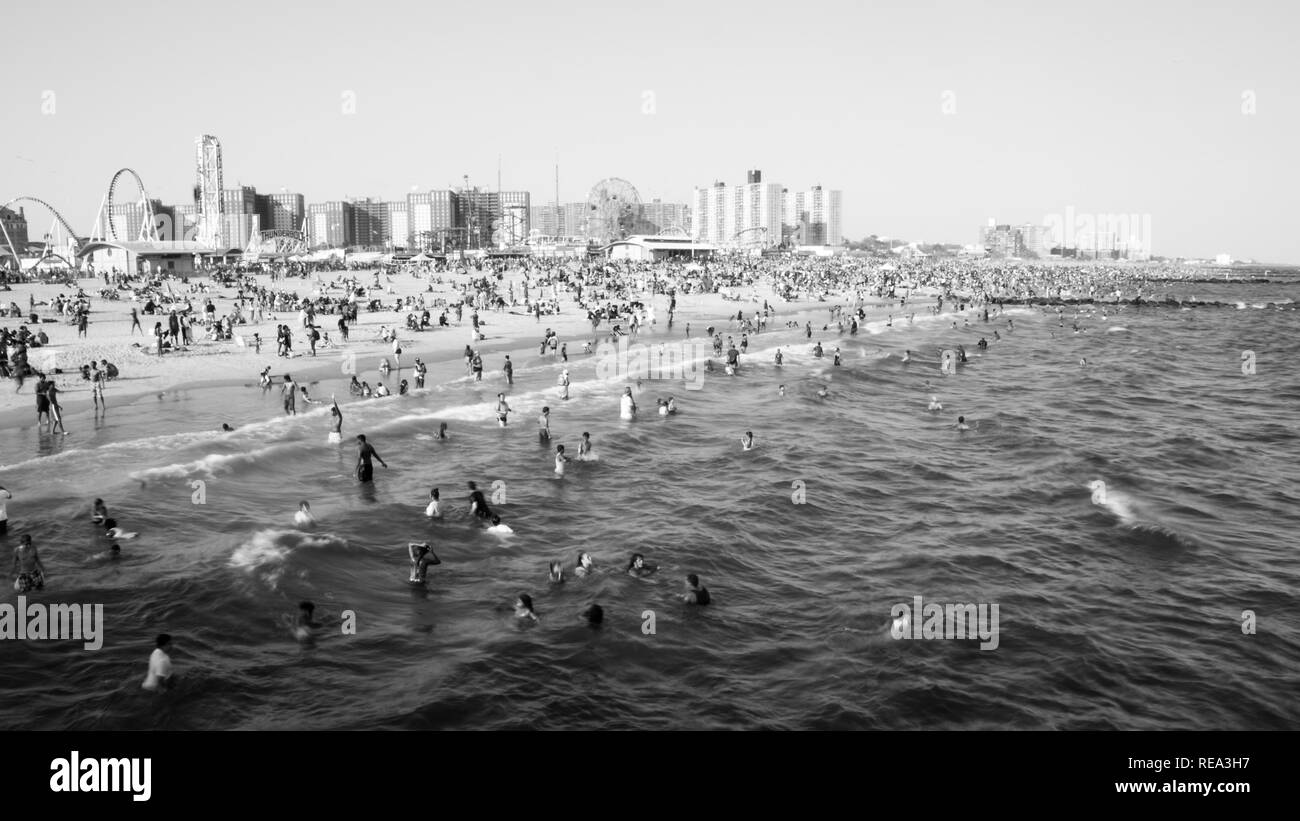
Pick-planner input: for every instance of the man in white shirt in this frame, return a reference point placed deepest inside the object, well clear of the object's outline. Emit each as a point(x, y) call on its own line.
point(160, 665)
point(4, 514)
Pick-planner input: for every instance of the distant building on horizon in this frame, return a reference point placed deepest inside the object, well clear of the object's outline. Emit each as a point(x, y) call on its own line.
point(812, 217)
point(329, 224)
point(281, 212)
point(239, 217)
point(15, 226)
point(430, 214)
point(746, 215)
point(660, 217)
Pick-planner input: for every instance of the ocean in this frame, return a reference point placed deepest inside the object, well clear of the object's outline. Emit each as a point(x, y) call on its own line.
point(1116, 610)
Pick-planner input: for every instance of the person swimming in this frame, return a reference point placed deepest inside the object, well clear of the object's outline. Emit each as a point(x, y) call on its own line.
point(115, 532)
point(961, 423)
point(303, 517)
point(422, 557)
point(442, 430)
point(695, 594)
point(305, 622)
point(595, 614)
point(627, 406)
point(663, 407)
point(556, 573)
point(585, 566)
point(781, 390)
point(636, 566)
point(907, 356)
point(747, 441)
point(671, 405)
point(499, 529)
point(98, 512)
point(934, 404)
point(823, 392)
point(113, 552)
point(584, 447)
point(434, 508)
point(524, 607)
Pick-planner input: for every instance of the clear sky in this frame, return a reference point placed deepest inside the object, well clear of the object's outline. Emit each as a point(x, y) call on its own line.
point(930, 116)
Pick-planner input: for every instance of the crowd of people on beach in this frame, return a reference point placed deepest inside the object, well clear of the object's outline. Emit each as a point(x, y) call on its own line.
point(620, 295)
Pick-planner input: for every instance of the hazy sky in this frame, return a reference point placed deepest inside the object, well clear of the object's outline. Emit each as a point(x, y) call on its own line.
point(931, 117)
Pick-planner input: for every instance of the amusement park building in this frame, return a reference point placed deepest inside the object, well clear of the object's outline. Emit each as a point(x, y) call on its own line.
point(651, 249)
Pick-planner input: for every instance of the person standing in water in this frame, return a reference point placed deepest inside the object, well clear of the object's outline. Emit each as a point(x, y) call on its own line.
point(584, 446)
point(434, 509)
point(160, 665)
point(5, 496)
point(502, 409)
point(478, 502)
point(747, 441)
point(56, 410)
point(366, 470)
point(336, 435)
point(544, 425)
point(29, 573)
point(627, 406)
point(560, 459)
point(422, 556)
point(289, 392)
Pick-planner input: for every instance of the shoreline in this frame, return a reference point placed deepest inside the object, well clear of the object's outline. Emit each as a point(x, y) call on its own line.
point(441, 349)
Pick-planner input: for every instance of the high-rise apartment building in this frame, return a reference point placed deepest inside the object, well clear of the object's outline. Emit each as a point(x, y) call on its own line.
point(429, 214)
point(239, 217)
point(399, 225)
point(746, 215)
point(812, 217)
point(281, 212)
point(15, 226)
point(658, 217)
point(329, 224)
point(369, 220)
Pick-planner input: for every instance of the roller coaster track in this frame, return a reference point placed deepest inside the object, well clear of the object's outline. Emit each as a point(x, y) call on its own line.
point(72, 235)
point(151, 230)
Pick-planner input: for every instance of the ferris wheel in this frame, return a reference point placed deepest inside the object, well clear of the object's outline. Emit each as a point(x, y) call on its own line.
point(613, 210)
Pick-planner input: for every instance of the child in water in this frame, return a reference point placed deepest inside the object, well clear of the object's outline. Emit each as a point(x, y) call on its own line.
point(303, 517)
point(747, 441)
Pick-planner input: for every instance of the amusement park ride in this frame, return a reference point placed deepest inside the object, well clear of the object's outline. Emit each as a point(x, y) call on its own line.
point(159, 233)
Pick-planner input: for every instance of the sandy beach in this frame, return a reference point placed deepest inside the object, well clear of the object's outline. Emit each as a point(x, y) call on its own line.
point(203, 363)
